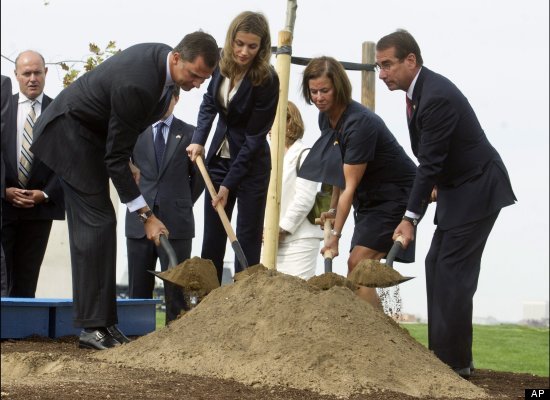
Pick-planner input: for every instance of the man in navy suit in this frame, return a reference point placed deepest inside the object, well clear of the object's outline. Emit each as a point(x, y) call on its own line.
point(86, 136)
point(170, 185)
point(33, 202)
point(462, 171)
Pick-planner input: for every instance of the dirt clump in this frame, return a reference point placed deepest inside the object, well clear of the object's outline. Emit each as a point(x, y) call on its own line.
point(276, 330)
point(373, 273)
point(329, 280)
point(195, 275)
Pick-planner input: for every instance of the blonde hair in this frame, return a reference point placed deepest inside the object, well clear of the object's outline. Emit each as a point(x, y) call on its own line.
point(294, 124)
point(255, 23)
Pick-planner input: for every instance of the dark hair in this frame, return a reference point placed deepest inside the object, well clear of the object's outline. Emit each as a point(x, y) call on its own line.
point(197, 44)
point(403, 43)
point(255, 23)
point(332, 69)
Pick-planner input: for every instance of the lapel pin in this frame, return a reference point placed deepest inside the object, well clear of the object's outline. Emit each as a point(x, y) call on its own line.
point(178, 137)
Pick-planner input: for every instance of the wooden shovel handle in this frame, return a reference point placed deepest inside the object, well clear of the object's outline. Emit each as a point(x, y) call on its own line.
point(327, 227)
point(219, 207)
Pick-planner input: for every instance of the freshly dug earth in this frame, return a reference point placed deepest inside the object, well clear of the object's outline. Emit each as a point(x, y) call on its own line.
point(373, 273)
point(269, 336)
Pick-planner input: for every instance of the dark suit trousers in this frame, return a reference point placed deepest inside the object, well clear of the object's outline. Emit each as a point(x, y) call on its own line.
point(24, 243)
point(452, 271)
point(142, 256)
point(92, 236)
point(252, 195)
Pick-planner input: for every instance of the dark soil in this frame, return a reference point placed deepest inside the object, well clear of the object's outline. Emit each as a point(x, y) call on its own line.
point(141, 384)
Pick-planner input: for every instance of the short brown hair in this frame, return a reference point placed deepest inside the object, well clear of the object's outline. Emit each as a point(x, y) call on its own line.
point(294, 124)
point(332, 69)
point(403, 43)
point(197, 44)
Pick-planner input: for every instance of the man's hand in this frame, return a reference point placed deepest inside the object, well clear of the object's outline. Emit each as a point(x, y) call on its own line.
point(194, 150)
point(24, 198)
point(154, 228)
point(433, 195)
point(406, 230)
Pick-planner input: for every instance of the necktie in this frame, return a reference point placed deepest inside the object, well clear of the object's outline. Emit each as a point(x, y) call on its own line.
point(160, 144)
point(409, 107)
point(25, 161)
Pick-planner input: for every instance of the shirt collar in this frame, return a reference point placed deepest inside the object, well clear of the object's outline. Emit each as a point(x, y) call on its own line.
point(169, 80)
point(23, 98)
point(410, 91)
point(167, 121)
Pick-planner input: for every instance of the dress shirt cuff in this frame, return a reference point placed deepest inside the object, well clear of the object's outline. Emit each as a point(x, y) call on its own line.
point(411, 214)
point(136, 204)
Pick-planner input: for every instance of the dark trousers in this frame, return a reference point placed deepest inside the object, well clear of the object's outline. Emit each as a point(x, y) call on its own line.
point(252, 196)
point(91, 220)
point(452, 271)
point(142, 256)
point(24, 243)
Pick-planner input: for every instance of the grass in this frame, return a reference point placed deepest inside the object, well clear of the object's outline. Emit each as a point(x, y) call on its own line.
point(512, 348)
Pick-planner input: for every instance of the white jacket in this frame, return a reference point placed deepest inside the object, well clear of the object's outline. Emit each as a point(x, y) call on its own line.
point(297, 198)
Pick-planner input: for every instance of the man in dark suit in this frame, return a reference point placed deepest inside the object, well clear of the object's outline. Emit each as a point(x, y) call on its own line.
point(170, 185)
point(459, 169)
point(86, 136)
point(33, 197)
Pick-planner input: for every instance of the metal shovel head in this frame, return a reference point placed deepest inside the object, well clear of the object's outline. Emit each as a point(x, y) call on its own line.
point(374, 274)
point(195, 274)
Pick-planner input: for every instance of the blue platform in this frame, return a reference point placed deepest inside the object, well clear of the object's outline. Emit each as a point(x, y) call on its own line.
point(23, 317)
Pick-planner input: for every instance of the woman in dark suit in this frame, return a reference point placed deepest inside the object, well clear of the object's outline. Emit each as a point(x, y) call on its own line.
point(377, 173)
point(243, 93)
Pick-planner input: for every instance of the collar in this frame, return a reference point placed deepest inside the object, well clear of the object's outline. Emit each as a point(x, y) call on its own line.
point(410, 90)
point(23, 98)
point(167, 121)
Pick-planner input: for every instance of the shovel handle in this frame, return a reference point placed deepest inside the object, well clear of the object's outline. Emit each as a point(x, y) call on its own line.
point(397, 245)
point(219, 207)
point(165, 244)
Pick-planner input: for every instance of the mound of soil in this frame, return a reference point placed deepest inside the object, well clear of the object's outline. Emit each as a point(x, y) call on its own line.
point(272, 330)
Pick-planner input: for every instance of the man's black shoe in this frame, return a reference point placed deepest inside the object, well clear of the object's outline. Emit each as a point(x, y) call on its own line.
point(117, 334)
point(97, 339)
point(463, 372)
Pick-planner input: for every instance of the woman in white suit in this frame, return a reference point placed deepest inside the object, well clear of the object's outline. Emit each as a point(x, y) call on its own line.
point(299, 239)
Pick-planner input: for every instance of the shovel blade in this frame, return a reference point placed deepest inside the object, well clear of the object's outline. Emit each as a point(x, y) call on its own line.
point(389, 284)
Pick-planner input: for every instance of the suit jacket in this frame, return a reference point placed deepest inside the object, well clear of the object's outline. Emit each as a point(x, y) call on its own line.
point(98, 118)
point(246, 123)
point(455, 155)
point(7, 124)
point(176, 185)
point(41, 177)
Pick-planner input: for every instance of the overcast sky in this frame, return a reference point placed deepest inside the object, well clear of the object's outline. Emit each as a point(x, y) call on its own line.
point(496, 52)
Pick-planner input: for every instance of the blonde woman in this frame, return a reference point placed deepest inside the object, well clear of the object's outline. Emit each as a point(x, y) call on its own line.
point(299, 239)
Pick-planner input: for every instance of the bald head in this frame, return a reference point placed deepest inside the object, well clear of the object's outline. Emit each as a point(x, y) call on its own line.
point(30, 72)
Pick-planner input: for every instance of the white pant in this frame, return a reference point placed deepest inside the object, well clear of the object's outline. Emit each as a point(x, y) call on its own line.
point(299, 257)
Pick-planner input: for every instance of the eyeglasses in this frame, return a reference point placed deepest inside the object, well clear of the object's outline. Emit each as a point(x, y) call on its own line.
point(387, 65)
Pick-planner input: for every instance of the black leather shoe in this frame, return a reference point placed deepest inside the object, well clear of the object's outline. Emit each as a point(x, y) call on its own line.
point(117, 334)
point(97, 339)
point(463, 372)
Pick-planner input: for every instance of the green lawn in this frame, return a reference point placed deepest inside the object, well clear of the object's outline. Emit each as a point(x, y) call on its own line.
point(512, 348)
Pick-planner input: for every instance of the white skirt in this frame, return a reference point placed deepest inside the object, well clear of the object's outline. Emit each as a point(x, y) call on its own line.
point(299, 257)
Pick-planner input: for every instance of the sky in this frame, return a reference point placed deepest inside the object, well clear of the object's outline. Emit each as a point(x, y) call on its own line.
point(496, 52)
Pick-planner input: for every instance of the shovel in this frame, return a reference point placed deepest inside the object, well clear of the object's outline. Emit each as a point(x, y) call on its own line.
point(223, 216)
point(374, 274)
point(196, 276)
point(327, 255)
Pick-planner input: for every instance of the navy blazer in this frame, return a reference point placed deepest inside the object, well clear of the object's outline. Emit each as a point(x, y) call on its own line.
point(248, 120)
point(177, 185)
point(87, 134)
point(455, 155)
point(41, 177)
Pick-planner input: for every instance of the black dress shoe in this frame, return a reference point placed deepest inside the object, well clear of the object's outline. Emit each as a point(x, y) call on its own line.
point(97, 339)
point(463, 372)
point(117, 334)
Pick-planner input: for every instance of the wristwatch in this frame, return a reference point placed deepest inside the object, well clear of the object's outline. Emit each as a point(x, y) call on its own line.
point(144, 216)
point(413, 221)
point(335, 233)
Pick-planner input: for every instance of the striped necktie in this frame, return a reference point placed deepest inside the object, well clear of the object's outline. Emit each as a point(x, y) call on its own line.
point(409, 107)
point(25, 162)
point(160, 144)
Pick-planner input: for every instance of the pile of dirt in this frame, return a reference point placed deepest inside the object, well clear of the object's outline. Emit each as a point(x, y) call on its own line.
point(272, 329)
